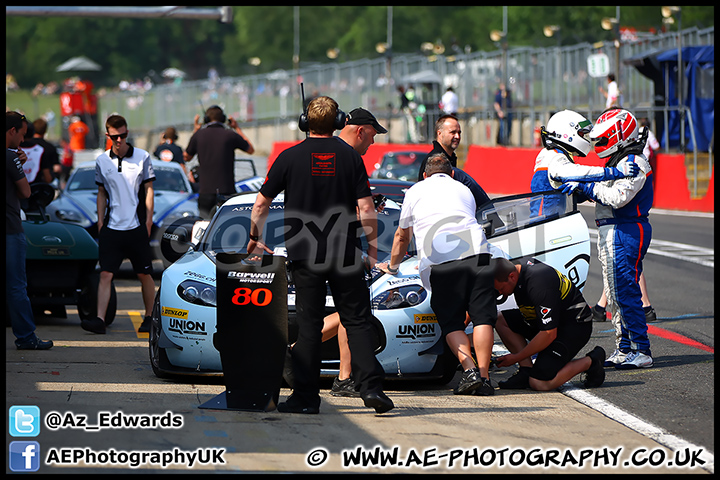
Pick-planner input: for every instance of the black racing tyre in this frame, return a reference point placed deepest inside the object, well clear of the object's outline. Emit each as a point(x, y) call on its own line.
point(158, 358)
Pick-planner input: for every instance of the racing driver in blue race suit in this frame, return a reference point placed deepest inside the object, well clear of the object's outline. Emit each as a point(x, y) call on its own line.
point(624, 232)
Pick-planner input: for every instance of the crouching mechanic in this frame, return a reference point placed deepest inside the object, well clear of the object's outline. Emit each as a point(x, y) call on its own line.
point(553, 315)
point(621, 214)
point(455, 264)
point(566, 136)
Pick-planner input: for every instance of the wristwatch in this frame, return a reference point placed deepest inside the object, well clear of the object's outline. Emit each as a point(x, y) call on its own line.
point(254, 238)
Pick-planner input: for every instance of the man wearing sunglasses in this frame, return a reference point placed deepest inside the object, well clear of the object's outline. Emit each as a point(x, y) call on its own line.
point(125, 203)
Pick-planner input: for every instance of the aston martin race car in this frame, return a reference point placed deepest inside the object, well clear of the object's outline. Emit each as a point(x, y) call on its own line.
point(409, 338)
point(174, 198)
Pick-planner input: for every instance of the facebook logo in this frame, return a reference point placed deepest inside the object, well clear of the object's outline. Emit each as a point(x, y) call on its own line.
point(24, 421)
point(24, 456)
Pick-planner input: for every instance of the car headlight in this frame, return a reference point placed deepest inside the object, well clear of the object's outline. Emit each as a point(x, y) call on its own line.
point(197, 293)
point(400, 297)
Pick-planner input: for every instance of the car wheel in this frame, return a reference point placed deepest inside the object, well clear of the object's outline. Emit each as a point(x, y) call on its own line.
point(449, 365)
point(87, 301)
point(158, 358)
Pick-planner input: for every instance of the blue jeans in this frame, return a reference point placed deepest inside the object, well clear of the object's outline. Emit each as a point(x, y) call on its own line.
point(18, 303)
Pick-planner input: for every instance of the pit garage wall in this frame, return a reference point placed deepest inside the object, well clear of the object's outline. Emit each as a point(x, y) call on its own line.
point(507, 171)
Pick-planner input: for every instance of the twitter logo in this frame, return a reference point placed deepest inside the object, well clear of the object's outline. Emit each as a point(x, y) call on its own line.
point(24, 421)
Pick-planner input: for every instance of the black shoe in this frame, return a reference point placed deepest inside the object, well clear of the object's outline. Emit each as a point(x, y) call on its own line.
point(94, 325)
point(292, 406)
point(518, 381)
point(287, 374)
point(145, 325)
point(344, 388)
point(379, 401)
point(595, 375)
point(599, 314)
point(469, 381)
point(485, 389)
point(650, 315)
point(34, 344)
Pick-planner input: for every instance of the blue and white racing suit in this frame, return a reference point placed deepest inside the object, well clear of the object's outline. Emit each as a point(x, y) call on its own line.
point(553, 168)
point(624, 233)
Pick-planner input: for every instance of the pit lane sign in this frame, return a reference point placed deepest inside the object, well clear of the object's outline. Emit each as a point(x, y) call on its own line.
point(598, 65)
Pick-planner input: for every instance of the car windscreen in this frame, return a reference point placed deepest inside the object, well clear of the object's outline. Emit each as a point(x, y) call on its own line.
point(230, 228)
point(515, 212)
point(170, 180)
point(400, 165)
point(82, 179)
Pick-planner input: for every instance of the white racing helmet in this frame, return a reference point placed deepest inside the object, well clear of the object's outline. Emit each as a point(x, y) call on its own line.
point(613, 130)
point(569, 130)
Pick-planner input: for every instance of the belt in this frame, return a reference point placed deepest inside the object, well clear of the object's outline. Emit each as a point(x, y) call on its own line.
point(614, 221)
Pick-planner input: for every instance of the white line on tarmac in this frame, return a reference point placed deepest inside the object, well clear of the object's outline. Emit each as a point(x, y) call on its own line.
point(673, 442)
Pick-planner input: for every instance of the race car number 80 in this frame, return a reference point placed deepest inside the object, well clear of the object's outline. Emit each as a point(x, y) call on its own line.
point(259, 297)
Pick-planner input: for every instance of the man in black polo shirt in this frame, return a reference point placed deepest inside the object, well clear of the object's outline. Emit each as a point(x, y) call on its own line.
point(552, 320)
point(215, 147)
point(447, 140)
point(326, 186)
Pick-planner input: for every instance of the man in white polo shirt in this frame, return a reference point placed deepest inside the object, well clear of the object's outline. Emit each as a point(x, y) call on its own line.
point(125, 203)
point(455, 264)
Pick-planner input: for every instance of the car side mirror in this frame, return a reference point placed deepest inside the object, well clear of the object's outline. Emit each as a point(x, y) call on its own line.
point(176, 239)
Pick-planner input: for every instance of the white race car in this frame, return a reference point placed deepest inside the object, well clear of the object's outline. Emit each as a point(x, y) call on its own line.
point(410, 341)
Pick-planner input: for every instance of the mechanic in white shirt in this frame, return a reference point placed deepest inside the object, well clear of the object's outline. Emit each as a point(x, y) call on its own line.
point(612, 95)
point(455, 263)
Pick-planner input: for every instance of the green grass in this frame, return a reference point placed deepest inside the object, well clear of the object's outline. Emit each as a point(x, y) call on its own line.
point(34, 107)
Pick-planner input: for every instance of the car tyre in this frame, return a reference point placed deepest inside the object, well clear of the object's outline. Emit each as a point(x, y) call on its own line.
point(158, 358)
point(87, 301)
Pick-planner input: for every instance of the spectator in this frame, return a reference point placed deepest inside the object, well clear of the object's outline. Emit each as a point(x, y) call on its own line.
point(461, 279)
point(66, 163)
point(169, 151)
point(612, 94)
point(215, 147)
point(503, 111)
point(407, 107)
point(40, 125)
point(78, 130)
point(125, 204)
point(554, 317)
point(39, 165)
point(449, 102)
point(16, 187)
point(324, 177)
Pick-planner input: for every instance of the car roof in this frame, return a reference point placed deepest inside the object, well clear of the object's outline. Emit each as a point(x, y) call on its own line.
point(90, 164)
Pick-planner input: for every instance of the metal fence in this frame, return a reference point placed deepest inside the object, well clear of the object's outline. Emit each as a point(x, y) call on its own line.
point(541, 80)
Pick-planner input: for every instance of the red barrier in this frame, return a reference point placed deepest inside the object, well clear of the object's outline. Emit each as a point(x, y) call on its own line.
point(508, 171)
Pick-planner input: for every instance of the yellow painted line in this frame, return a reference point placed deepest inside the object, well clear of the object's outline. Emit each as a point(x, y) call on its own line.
point(136, 318)
point(128, 388)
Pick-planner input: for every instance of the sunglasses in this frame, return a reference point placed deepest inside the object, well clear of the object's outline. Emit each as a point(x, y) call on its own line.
point(118, 136)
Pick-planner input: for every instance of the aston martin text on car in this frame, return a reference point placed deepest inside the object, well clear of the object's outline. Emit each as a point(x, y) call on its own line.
point(410, 344)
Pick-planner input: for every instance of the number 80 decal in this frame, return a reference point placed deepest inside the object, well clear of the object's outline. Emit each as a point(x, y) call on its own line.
point(259, 297)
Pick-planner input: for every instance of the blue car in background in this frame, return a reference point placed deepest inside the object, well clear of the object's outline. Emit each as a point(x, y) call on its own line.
point(174, 199)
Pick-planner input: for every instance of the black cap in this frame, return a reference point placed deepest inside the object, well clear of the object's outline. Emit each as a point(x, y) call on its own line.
point(360, 116)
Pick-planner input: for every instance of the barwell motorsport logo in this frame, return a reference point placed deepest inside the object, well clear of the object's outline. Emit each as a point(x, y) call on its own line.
point(252, 277)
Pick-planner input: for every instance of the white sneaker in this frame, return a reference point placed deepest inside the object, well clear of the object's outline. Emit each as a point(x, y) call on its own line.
point(635, 359)
point(616, 358)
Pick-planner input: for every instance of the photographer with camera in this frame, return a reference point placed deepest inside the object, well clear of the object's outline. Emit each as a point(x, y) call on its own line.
point(215, 146)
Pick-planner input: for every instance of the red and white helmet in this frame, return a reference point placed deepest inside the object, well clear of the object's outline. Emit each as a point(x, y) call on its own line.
point(613, 130)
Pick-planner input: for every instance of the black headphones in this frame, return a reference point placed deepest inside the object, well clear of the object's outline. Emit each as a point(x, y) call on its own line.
point(339, 124)
point(206, 119)
point(304, 125)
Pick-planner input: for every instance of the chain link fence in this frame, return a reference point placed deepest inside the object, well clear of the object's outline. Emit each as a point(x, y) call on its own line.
point(541, 81)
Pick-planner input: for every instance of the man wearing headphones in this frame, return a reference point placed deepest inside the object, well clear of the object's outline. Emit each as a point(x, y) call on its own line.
point(328, 206)
point(215, 147)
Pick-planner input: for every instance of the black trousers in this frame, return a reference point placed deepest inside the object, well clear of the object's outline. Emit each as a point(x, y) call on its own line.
point(352, 300)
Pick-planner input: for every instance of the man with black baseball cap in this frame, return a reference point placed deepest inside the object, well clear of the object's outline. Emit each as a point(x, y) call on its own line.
point(360, 130)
